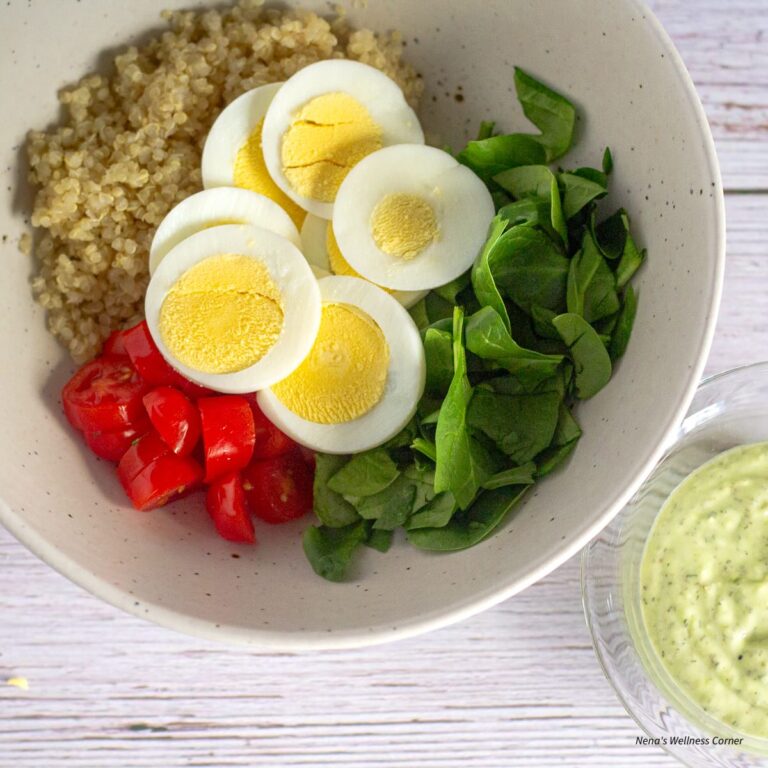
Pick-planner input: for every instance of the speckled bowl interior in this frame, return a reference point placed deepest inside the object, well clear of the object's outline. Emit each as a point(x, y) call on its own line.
point(633, 93)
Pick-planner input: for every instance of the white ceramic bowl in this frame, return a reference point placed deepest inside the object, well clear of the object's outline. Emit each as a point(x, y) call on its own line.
point(633, 94)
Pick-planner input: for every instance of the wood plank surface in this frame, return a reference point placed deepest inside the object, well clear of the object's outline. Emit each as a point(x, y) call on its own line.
point(516, 686)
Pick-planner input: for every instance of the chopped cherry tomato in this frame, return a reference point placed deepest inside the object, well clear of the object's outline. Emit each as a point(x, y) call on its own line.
point(104, 396)
point(309, 457)
point(279, 489)
point(113, 445)
point(140, 454)
point(152, 366)
point(163, 480)
point(174, 417)
point(270, 441)
point(115, 344)
point(190, 389)
point(228, 434)
point(146, 357)
point(227, 505)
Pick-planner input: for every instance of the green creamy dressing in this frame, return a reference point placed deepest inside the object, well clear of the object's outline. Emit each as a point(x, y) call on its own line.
point(704, 580)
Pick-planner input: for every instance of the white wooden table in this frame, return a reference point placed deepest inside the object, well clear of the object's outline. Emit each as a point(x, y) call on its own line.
point(516, 686)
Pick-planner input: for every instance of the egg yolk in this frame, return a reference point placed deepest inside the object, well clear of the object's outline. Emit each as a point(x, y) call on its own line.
point(345, 373)
point(403, 225)
point(329, 136)
point(251, 173)
point(336, 261)
point(222, 315)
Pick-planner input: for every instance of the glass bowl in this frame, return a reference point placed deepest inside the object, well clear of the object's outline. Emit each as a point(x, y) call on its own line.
point(729, 409)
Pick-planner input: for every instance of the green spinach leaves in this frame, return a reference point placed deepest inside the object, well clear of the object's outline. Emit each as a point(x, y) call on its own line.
point(511, 346)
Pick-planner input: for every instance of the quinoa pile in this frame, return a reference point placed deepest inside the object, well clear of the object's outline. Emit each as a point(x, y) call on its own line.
point(129, 147)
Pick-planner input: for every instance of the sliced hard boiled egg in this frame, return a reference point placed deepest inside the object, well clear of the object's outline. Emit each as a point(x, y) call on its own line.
point(212, 207)
point(321, 250)
point(324, 120)
point(232, 155)
point(235, 308)
point(363, 378)
point(410, 217)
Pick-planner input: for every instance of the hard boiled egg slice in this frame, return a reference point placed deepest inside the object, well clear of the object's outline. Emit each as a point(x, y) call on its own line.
point(212, 207)
point(232, 155)
point(235, 308)
point(410, 217)
point(321, 250)
point(361, 381)
point(324, 120)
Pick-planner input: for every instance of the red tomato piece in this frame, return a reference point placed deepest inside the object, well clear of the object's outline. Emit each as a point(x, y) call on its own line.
point(113, 445)
point(190, 389)
point(228, 434)
point(174, 417)
point(152, 366)
point(163, 480)
point(226, 503)
point(309, 457)
point(146, 357)
point(279, 489)
point(104, 396)
point(140, 454)
point(115, 344)
point(269, 441)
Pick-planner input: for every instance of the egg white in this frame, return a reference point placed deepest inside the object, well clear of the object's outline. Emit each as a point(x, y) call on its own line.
point(231, 129)
point(462, 204)
point(291, 274)
point(404, 385)
point(379, 94)
point(315, 247)
point(212, 207)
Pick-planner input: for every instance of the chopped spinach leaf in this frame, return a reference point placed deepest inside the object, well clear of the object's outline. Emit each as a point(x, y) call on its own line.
point(530, 269)
point(462, 463)
point(592, 364)
point(591, 290)
point(488, 338)
point(390, 508)
point(550, 112)
point(521, 426)
point(538, 182)
point(330, 550)
point(607, 161)
point(425, 448)
point(566, 436)
point(436, 513)
point(490, 156)
point(486, 130)
point(472, 526)
point(438, 350)
point(483, 281)
point(330, 507)
point(531, 211)
point(579, 191)
point(364, 474)
point(379, 540)
point(630, 261)
point(522, 475)
point(450, 291)
point(624, 323)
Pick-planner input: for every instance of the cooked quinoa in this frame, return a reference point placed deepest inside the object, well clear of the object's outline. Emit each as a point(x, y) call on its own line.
point(129, 146)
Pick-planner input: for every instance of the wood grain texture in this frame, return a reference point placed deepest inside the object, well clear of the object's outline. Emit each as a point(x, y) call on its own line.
point(725, 47)
point(515, 686)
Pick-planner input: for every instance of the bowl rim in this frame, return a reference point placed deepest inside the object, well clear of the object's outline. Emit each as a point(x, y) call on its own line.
point(506, 587)
point(584, 571)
